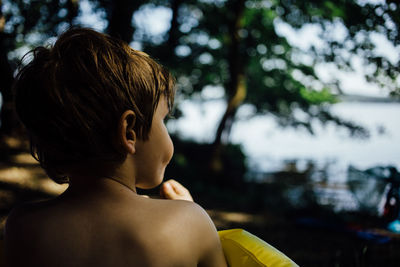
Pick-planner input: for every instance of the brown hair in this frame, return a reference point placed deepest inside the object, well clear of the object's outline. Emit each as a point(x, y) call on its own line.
point(70, 98)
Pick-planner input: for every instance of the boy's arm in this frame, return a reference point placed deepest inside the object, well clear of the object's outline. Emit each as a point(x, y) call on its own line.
point(205, 236)
point(209, 243)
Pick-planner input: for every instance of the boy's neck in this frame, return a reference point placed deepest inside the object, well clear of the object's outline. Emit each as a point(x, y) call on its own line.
point(112, 183)
point(102, 175)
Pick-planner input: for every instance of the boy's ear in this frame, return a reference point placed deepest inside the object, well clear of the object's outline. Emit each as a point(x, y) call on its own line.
point(126, 133)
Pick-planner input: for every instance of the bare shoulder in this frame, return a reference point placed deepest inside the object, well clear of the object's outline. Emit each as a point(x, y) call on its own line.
point(19, 232)
point(190, 227)
point(188, 210)
point(19, 219)
point(185, 214)
point(144, 230)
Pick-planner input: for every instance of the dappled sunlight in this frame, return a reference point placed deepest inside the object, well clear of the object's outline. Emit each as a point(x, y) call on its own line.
point(24, 172)
point(14, 174)
point(24, 158)
point(13, 142)
point(31, 178)
point(224, 219)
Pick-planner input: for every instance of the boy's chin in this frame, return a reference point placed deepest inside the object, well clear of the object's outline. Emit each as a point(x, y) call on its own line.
point(149, 185)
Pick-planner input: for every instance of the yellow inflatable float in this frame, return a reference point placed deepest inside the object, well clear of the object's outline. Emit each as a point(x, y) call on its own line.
point(243, 249)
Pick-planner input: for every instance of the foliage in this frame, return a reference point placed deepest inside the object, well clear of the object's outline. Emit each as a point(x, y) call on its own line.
point(191, 160)
point(277, 80)
point(33, 22)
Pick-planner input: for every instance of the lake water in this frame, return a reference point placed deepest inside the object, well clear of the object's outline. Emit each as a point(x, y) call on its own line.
point(269, 147)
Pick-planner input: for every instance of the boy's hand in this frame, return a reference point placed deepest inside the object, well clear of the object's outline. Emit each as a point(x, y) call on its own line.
point(171, 189)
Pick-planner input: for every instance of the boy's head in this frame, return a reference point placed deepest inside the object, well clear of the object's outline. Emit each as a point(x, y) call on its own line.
point(70, 98)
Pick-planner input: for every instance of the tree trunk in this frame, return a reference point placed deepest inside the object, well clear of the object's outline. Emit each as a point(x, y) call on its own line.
point(236, 87)
point(165, 53)
point(73, 7)
point(120, 19)
point(173, 33)
point(225, 125)
point(8, 117)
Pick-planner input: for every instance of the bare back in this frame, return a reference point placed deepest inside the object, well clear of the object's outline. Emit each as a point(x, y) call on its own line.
point(117, 228)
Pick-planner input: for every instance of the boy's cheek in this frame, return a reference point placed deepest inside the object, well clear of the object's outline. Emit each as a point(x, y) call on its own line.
point(171, 145)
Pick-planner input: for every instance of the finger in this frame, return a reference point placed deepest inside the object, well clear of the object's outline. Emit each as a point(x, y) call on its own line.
point(168, 191)
point(172, 185)
point(172, 189)
point(178, 188)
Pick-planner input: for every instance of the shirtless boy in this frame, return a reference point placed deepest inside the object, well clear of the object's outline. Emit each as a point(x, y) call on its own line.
point(94, 110)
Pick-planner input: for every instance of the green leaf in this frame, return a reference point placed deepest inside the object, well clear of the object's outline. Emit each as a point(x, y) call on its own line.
point(318, 97)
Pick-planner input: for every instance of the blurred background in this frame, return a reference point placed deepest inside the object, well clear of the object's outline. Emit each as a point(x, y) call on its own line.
point(286, 120)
